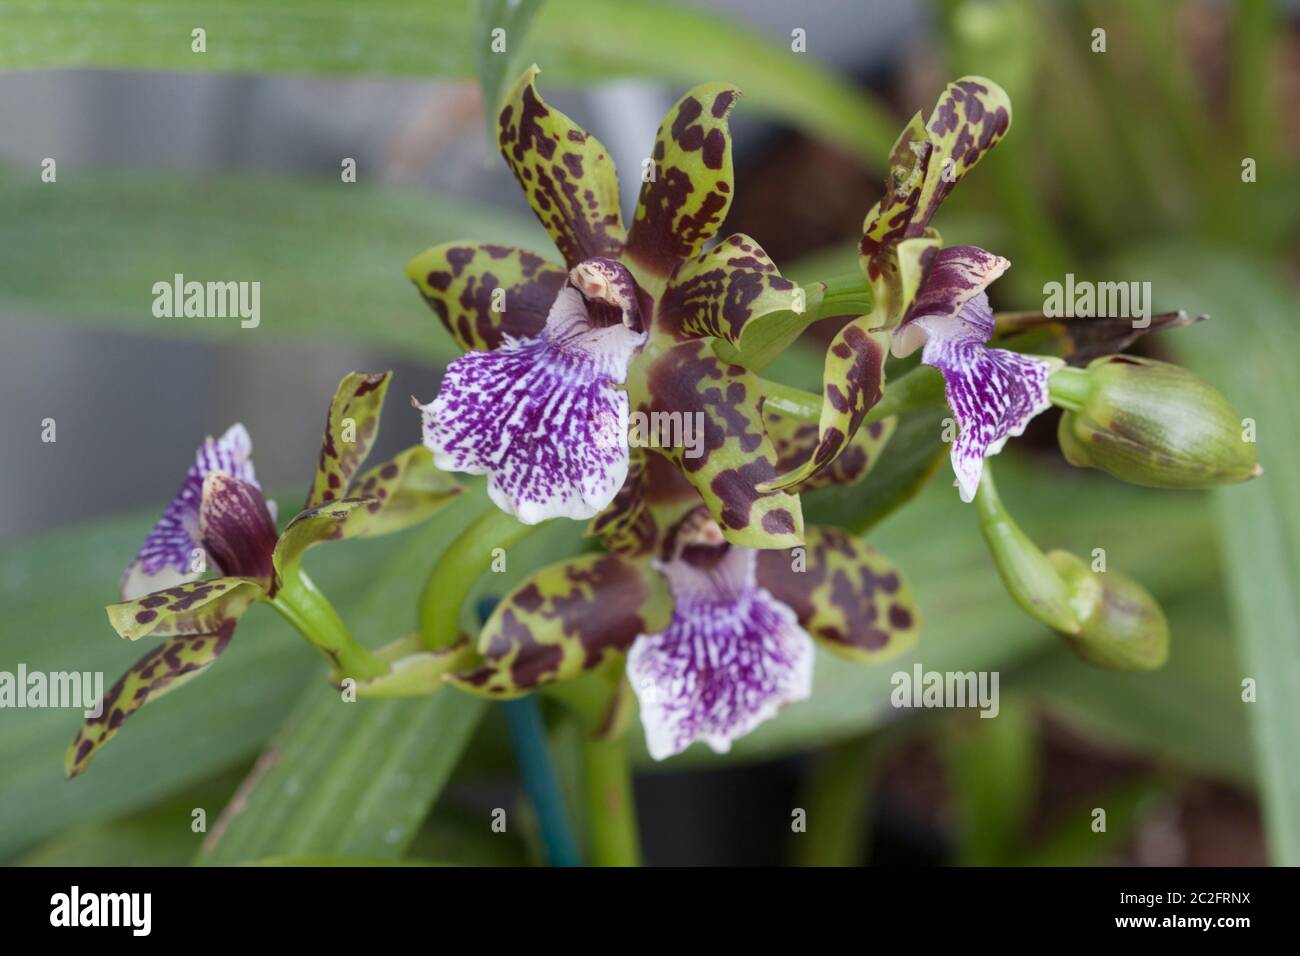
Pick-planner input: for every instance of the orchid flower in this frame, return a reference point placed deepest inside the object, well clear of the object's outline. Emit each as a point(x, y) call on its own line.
point(714, 637)
point(898, 250)
point(219, 520)
point(560, 356)
point(993, 393)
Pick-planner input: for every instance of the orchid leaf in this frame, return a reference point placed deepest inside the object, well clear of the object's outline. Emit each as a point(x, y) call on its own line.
point(847, 595)
point(683, 203)
point(198, 607)
point(719, 293)
point(853, 381)
point(580, 41)
point(564, 620)
point(365, 793)
point(482, 292)
point(512, 18)
point(733, 453)
point(172, 663)
point(350, 430)
point(565, 173)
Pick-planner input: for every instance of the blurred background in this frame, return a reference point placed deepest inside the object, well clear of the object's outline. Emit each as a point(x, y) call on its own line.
point(1123, 163)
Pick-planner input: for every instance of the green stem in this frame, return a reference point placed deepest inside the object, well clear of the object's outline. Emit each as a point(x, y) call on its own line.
point(1068, 388)
point(837, 797)
point(1026, 572)
point(849, 294)
point(922, 387)
point(466, 559)
point(307, 609)
point(612, 838)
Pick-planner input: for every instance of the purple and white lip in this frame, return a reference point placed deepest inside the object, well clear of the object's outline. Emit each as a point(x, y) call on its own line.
point(731, 656)
point(545, 417)
point(993, 393)
point(167, 556)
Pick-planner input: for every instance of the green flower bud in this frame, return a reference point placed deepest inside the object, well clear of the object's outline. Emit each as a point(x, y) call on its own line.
point(1106, 617)
point(1150, 423)
point(1123, 628)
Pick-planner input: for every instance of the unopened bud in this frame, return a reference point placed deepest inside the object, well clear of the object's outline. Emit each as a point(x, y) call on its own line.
point(1122, 626)
point(1150, 423)
point(1107, 618)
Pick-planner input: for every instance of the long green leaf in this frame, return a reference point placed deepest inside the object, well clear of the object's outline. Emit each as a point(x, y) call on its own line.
point(573, 40)
point(1249, 349)
point(328, 255)
point(346, 779)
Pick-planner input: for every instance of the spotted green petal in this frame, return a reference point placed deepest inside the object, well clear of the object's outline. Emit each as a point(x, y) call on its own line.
point(719, 293)
point(169, 665)
point(887, 222)
point(847, 595)
point(655, 497)
point(411, 489)
point(853, 380)
point(722, 405)
point(563, 621)
point(626, 526)
point(972, 115)
point(683, 206)
point(796, 442)
point(350, 430)
point(565, 173)
point(393, 495)
point(198, 607)
point(483, 292)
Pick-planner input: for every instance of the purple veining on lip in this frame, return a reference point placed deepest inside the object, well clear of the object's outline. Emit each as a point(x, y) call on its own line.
point(730, 658)
point(545, 417)
point(993, 393)
point(165, 557)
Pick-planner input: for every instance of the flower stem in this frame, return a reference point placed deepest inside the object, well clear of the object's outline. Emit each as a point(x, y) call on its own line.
point(537, 773)
point(466, 559)
point(849, 294)
point(1068, 388)
point(922, 387)
point(1026, 572)
point(307, 609)
point(612, 838)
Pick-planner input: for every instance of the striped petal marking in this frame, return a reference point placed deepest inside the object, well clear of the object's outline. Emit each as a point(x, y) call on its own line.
point(731, 656)
point(993, 393)
point(167, 556)
point(545, 418)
